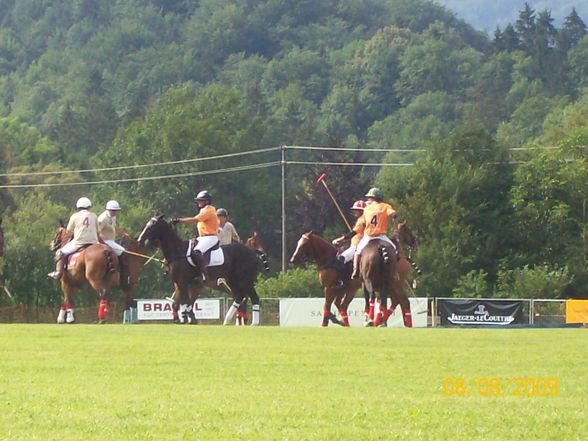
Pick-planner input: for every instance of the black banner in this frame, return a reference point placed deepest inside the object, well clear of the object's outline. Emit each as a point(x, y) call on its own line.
point(458, 312)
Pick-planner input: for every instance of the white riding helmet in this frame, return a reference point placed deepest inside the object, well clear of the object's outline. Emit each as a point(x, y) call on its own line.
point(83, 203)
point(113, 205)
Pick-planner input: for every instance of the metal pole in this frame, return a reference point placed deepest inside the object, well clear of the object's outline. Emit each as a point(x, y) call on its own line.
point(283, 163)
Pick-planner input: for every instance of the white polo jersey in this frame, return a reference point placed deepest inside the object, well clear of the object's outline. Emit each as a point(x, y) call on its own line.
point(107, 226)
point(84, 225)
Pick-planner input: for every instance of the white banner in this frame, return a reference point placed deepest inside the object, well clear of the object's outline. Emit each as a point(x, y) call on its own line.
point(160, 309)
point(309, 312)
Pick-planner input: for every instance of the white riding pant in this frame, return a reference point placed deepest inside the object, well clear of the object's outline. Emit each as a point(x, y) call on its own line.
point(348, 253)
point(366, 239)
point(68, 248)
point(205, 243)
point(117, 248)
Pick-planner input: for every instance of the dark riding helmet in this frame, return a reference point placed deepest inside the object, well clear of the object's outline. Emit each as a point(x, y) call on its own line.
point(203, 196)
point(375, 193)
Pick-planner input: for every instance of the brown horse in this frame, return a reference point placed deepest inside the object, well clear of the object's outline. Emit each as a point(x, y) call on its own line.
point(96, 265)
point(78, 276)
point(325, 256)
point(238, 272)
point(393, 285)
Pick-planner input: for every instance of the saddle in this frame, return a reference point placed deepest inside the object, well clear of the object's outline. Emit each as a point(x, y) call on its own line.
point(343, 269)
point(213, 257)
point(73, 257)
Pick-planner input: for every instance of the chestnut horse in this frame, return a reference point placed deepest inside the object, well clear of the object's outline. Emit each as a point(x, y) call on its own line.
point(393, 284)
point(79, 274)
point(238, 272)
point(96, 265)
point(325, 256)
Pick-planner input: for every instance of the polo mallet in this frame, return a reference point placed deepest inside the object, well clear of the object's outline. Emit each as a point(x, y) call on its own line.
point(321, 180)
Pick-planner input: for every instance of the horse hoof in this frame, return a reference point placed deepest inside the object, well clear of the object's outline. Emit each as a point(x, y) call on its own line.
point(382, 325)
point(369, 323)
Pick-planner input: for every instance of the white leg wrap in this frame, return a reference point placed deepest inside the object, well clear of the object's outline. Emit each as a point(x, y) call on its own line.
point(255, 315)
point(70, 318)
point(61, 316)
point(126, 317)
point(231, 313)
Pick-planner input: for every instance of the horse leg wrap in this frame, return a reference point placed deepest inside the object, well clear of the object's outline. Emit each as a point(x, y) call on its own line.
point(255, 315)
point(231, 313)
point(326, 315)
point(61, 316)
point(69, 314)
point(126, 317)
point(344, 316)
point(103, 310)
point(371, 310)
point(378, 319)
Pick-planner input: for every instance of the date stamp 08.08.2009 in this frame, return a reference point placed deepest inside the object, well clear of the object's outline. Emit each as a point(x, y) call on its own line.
point(495, 387)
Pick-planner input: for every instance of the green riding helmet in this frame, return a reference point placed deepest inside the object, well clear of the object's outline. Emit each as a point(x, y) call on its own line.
point(375, 193)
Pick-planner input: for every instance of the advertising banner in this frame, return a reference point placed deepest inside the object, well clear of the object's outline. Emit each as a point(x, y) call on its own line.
point(576, 311)
point(462, 312)
point(161, 309)
point(309, 312)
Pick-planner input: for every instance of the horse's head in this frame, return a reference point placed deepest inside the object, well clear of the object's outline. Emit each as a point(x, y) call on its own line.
point(302, 248)
point(406, 236)
point(255, 243)
point(61, 237)
point(154, 230)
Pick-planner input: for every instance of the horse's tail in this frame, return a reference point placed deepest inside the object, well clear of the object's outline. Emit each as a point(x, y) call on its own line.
point(414, 265)
point(110, 267)
point(263, 257)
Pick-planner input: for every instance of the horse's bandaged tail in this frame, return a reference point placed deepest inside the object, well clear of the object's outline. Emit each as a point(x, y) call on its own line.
point(109, 263)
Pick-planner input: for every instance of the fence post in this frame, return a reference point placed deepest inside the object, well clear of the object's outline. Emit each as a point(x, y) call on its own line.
point(531, 311)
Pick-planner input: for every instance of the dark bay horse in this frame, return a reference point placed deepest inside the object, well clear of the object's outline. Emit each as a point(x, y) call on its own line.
point(325, 256)
point(96, 265)
point(239, 270)
point(393, 285)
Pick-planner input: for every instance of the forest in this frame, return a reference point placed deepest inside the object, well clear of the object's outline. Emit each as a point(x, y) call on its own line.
point(481, 139)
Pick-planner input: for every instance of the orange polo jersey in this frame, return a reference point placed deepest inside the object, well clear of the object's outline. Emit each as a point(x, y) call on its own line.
point(359, 228)
point(376, 217)
point(207, 221)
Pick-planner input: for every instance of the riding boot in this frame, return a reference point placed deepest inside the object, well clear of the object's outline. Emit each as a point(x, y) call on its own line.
point(200, 264)
point(60, 264)
point(355, 274)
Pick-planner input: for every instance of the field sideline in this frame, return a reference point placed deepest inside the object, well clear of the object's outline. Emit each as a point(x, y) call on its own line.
point(166, 382)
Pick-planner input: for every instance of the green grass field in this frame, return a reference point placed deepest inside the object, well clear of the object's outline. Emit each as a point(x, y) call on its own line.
point(166, 382)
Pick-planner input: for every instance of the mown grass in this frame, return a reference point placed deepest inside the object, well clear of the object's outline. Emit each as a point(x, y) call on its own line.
point(164, 382)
